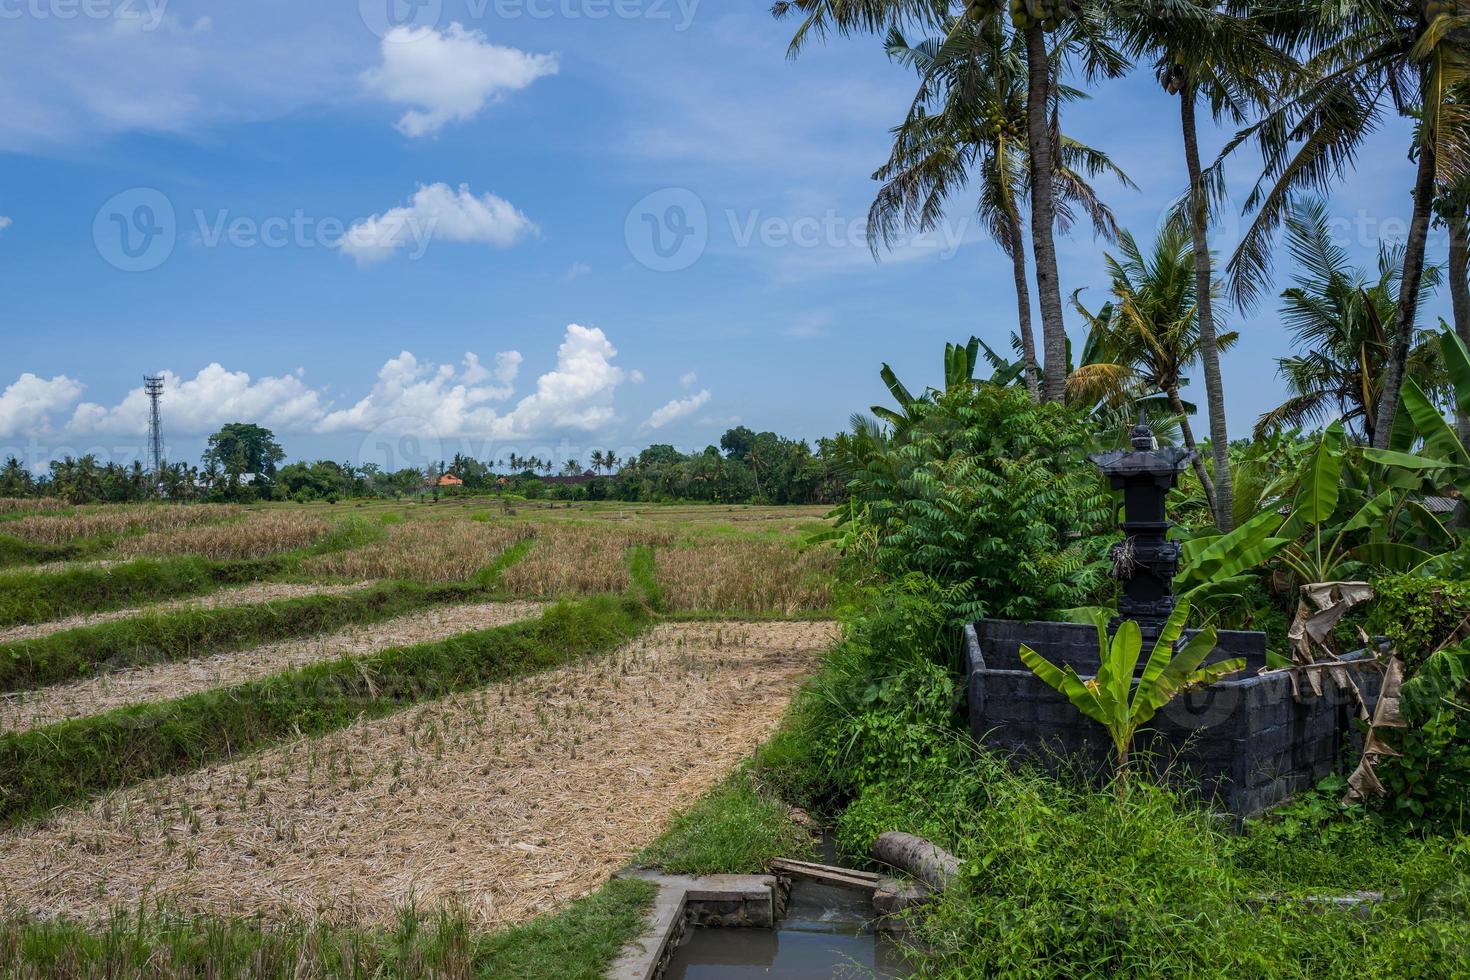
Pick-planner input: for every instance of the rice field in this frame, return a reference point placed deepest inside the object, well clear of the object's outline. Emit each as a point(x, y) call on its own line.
point(425, 551)
point(30, 505)
point(63, 529)
point(267, 533)
point(24, 710)
point(743, 575)
point(243, 595)
point(499, 804)
point(504, 803)
point(578, 559)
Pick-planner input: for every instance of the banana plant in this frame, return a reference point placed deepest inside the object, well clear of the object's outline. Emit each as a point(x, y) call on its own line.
point(1112, 698)
point(1442, 459)
point(959, 369)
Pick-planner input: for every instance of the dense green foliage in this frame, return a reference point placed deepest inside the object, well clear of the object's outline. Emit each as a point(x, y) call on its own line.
point(190, 633)
point(1060, 879)
point(990, 492)
point(1420, 614)
point(74, 759)
point(38, 597)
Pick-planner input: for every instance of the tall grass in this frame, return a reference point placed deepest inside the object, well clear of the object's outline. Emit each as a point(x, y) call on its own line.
point(116, 519)
point(268, 533)
point(424, 551)
point(743, 575)
point(578, 943)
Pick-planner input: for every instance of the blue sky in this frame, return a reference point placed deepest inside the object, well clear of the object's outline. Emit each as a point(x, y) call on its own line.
point(499, 170)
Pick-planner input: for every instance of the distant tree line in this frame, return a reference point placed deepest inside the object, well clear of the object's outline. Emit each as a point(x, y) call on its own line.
point(244, 462)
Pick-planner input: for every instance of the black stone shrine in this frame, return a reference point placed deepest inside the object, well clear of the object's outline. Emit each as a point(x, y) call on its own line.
point(1243, 744)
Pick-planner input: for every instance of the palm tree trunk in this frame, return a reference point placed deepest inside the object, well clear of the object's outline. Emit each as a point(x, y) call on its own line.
point(1222, 500)
point(1043, 216)
point(1403, 324)
point(1177, 404)
point(1460, 290)
point(1023, 302)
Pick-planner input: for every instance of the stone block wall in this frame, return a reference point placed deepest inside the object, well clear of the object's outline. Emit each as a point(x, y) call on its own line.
point(1244, 744)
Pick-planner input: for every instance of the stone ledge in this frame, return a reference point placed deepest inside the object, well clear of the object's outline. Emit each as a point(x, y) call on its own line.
point(746, 901)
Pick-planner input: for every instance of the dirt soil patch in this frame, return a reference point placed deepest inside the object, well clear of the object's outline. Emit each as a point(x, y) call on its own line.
point(160, 682)
point(506, 802)
point(244, 595)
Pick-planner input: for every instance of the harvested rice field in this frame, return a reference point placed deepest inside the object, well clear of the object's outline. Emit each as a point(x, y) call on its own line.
point(578, 559)
point(503, 803)
point(21, 711)
point(263, 533)
point(242, 595)
point(425, 551)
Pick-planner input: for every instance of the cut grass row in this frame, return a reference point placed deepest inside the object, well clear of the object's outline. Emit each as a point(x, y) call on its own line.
point(39, 597)
point(186, 634)
point(70, 761)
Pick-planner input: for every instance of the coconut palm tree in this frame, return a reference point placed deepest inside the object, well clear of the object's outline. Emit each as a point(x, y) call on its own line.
point(1337, 318)
point(1455, 211)
point(1203, 52)
point(1078, 32)
point(968, 121)
point(1148, 335)
point(1363, 60)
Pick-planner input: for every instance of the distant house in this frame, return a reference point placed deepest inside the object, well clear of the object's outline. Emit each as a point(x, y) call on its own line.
point(450, 480)
point(570, 481)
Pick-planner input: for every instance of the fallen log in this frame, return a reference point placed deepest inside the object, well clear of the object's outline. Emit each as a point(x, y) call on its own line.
point(932, 865)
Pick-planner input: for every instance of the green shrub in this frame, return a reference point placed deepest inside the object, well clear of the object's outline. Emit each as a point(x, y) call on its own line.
point(1419, 614)
point(990, 492)
point(190, 633)
point(68, 761)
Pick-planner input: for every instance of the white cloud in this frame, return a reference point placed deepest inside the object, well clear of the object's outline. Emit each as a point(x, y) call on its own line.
point(689, 380)
point(576, 271)
point(436, 212)
point(578, 394)
point(4, 222)
point(207, 401)
point(26, 405)
point(677, 409)
point(635, 376)
point(434, 398)
point(409, 395)
point(448, 76)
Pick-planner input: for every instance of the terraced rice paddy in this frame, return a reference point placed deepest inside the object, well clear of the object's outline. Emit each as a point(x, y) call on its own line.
point(32, 709)
point(504, 803)
point(236, 596)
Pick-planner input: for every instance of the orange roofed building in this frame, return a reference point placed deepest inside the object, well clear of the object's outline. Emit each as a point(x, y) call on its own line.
point(450, 480)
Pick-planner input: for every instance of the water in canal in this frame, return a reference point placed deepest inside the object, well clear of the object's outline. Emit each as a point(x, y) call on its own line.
point(825, 934)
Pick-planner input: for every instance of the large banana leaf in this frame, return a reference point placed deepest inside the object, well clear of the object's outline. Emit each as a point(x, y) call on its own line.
point(1065, 680)
point(1227, 555)
point(1321, 485)
point(1440, 439)
point(1395, 556)
point(1457, 365)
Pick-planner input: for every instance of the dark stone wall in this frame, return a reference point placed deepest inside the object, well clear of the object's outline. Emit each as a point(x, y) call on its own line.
point(1243, 744)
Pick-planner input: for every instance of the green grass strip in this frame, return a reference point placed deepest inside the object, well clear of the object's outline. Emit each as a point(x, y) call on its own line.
point(642, 569)
point(185, 634)
point(72, 760)
point(18, 551)
point(578, 943)
point(39, 597)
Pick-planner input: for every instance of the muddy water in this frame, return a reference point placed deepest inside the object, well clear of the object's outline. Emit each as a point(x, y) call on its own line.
point(825, 934)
